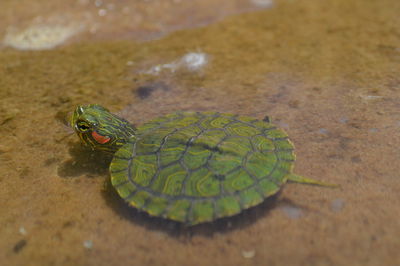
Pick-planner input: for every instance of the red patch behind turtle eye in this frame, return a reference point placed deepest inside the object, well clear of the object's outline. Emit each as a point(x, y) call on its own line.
point(99, 138)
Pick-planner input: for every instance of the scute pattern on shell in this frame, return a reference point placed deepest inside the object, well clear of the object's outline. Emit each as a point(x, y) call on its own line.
point(197, 167)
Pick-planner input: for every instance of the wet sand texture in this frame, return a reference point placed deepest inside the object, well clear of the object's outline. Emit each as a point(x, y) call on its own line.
point(325, 71)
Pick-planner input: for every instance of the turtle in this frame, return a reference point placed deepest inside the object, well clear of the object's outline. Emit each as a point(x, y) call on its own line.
point(191, 167)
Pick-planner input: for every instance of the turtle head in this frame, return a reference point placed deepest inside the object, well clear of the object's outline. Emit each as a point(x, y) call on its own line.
point(100, 129)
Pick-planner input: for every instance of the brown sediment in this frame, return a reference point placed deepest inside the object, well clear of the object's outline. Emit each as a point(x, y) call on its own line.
point(325, 71)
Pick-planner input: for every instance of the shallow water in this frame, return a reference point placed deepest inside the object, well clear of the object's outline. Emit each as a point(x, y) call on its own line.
point(325, 71)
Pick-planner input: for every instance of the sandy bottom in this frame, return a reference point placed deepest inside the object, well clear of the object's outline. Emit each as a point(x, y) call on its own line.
point(325, 71)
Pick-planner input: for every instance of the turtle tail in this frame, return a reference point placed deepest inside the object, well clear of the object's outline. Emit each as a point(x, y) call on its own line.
point(305, 180)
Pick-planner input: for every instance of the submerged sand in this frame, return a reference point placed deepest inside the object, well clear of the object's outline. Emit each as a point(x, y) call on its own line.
point(325, 71)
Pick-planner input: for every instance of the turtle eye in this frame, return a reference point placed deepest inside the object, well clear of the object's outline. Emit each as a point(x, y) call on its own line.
point(82, 126)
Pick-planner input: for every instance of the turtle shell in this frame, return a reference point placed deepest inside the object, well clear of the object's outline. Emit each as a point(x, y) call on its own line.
point(198, 167)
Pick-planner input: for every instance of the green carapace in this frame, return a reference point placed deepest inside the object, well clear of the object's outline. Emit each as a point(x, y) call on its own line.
point(191, 167)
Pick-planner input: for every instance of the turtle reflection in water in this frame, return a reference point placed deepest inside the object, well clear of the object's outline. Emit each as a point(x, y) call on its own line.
point(191, 167)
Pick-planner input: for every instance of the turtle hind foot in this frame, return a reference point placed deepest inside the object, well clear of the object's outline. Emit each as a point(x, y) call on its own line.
point(304, 180)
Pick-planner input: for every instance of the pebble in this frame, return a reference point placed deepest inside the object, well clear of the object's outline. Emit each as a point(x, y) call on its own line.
point(371, 97)
point(194, 61)
point(22, 230)
point(337, 205)
point(292, 212)
point(88, 244)
point(190, 61)
point(323, 131)
point(39, 37)
point(102, 12)
point(248, 254)
point(263, 3)
point(98, 3)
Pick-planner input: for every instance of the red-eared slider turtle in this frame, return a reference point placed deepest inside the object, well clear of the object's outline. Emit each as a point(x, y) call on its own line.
point(191, 167)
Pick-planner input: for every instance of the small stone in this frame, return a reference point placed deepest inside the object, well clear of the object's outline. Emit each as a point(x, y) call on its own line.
point(373, 130)
point(292, 212)
point(98, 3)
point(248, 254)
point(194, 61)
point(22, 230)
point(102, 12)
point(40, 37)
point(88, 244)
point(371, 97)
point(190, 61)
point(337, 205)
point(323, 131)
point(263, 3)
